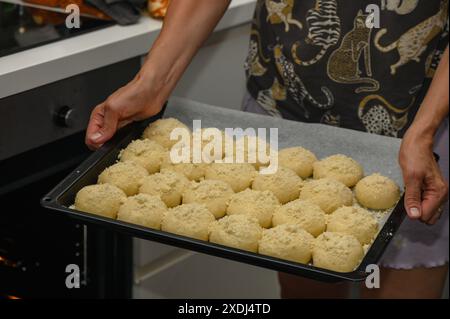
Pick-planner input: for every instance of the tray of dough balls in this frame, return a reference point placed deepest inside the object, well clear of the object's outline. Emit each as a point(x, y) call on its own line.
point(327, 212)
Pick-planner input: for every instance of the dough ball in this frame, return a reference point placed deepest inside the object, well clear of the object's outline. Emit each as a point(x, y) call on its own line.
point(102, 199)
point(237, 231)
point(192, 171)
point(238, 176)
point(191, 220)
point(298, 159)
point(285, 184)
point(329, 194)
point(144, 210)
point(377, 192)
point(125, 175)
point(337, 252)
point(248, 148)
point(211, 193)
point(307, 215)
point(146, 153)
point(209, 138)
point(259, 204)
point(354, 221)
point(168, 185)
point(159, 131)
point(289, 242)
point(339, 167)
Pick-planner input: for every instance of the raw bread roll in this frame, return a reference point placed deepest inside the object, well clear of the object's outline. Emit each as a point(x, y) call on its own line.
point(285, 184)
point(192, 171)
point(337, 252)
point(329, 194)
point(339, 167)
point(298, 159)
point(354, 221)
point(307, 215)
point(191, 220)
point(144, 210)
point(259, 204)
point(289, 242)
point(103, 200)
point(211, 193)
point(208, 141)
point(237, 231)
point(238, 176)
point(377, 192)
point(125, 175)
point(159, 131)
point(168, 185)
point(249, 147)
point(146, 153)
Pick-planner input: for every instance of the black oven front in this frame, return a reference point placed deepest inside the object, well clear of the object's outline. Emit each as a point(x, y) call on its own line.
point(44, 254)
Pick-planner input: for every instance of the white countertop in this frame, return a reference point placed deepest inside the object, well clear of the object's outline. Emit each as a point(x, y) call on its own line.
point(32, 68)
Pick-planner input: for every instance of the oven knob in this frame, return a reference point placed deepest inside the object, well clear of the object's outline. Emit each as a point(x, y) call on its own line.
point(64, 117)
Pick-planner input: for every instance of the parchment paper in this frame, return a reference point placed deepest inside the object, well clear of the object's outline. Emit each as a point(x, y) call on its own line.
point(377, 154)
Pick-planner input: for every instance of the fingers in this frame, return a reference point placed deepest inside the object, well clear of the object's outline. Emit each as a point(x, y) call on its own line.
point(413, 196)
point(110, 125)
point(434, 196)
point(430, 207)
point(102, 126)
point(94, 127)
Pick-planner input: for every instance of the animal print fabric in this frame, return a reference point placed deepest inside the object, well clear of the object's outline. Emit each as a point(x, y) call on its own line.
point(317, 60)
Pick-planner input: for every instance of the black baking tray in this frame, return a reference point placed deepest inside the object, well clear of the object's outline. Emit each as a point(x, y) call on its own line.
point(63, 196)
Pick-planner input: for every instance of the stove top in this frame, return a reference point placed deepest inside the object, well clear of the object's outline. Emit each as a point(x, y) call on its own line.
point(23, 27)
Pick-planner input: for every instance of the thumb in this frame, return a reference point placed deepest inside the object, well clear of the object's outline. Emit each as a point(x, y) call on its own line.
point(102, 126)
point(413, 197)
point(108, 127)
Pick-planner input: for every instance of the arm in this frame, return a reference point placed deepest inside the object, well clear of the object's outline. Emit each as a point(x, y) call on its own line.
point(426, 189)
point(187, 25)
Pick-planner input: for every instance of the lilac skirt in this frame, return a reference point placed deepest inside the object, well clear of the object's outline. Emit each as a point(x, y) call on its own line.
point(415, 245)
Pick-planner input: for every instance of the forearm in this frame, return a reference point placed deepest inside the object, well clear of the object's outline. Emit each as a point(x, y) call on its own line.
point(187, 25)
point(435, 106)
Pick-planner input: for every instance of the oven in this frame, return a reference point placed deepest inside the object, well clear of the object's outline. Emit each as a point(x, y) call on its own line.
point(41, 141)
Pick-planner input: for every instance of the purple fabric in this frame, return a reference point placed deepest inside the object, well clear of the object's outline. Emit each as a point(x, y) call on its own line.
point(415, 245)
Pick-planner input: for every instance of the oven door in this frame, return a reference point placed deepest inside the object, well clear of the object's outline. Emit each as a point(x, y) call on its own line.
point(44, 255)
point(41, 141)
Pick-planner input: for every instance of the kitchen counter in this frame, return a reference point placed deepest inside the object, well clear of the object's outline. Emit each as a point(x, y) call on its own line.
point(59, 60)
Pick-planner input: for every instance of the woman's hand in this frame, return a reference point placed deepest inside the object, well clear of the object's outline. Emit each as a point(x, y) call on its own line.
point(138, 100)
point(426, 189)
point(187, 25)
